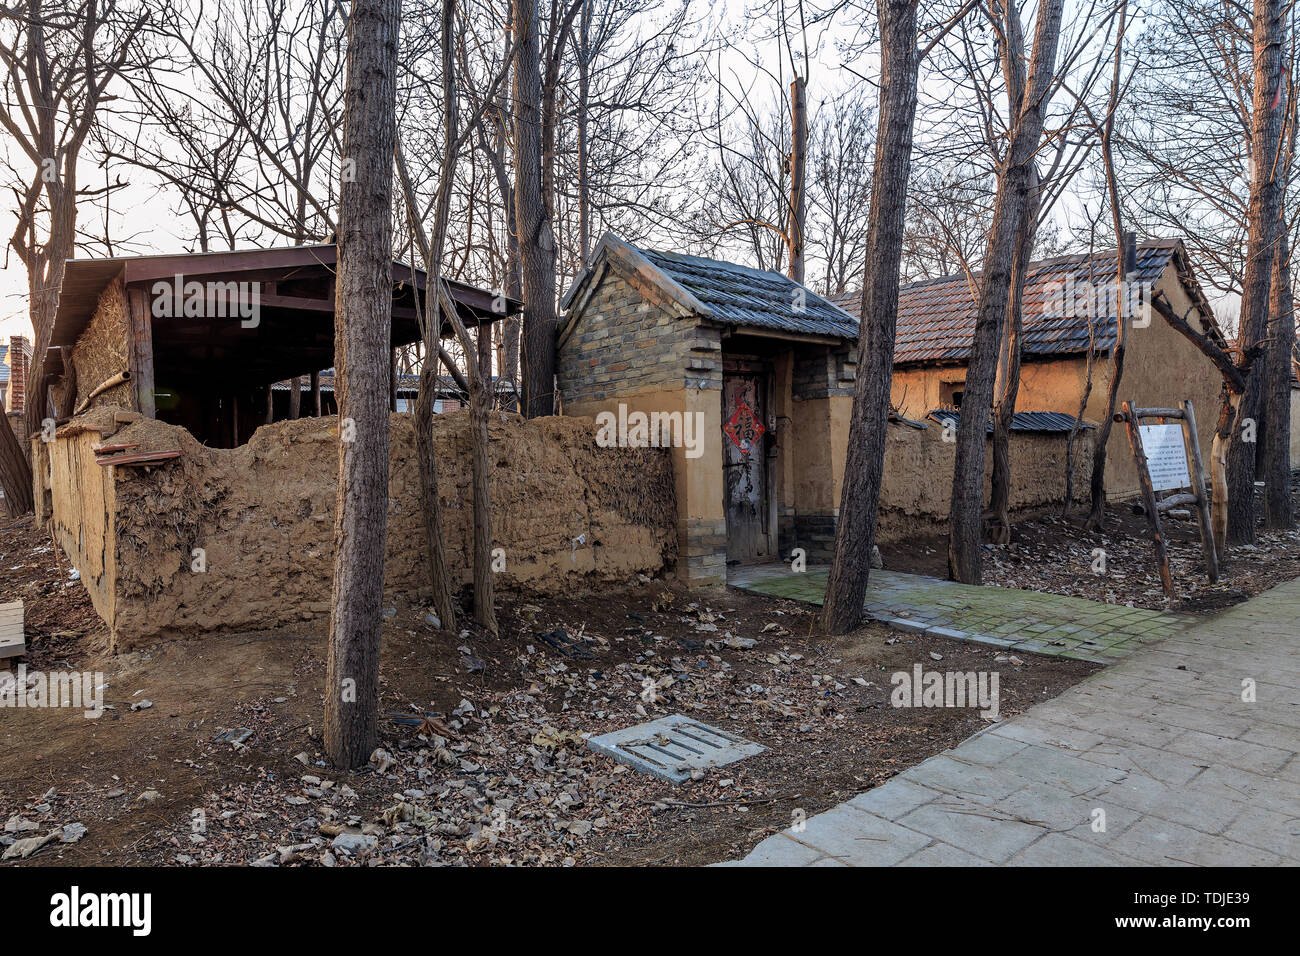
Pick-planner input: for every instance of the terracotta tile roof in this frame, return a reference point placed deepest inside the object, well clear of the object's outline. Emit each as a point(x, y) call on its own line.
point(936, 317)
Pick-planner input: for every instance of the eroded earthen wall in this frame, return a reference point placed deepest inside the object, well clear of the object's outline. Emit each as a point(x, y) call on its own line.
point(567, 514)
point(917, 490)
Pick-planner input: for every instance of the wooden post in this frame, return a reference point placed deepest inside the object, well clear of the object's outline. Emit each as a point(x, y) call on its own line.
point(798, 165)
point(140, 353)
point(315, 393)
point(392, 380)
point(1193, 443)
point(270, 405)
point(1149, 499)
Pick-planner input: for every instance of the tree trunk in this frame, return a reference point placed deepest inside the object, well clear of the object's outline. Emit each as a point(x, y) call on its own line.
point(869, 421)
point(15, 473)
point(798, 168)
point(533, 220)
point(580, 122)
point(1266, 127)
point(439, 578)
point(1097, 481)
point(1014, 185)
point(363, 334)
point(485, 614)
point(1276, 464)
point(1219, 468)
point(1008, 382)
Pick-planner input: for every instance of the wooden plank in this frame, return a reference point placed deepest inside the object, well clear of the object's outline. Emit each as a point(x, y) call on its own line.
point(12, 641)
point(1149, 499)
point(1192, 439)
point(105, 449)
point(141, 351)
point(144, 458)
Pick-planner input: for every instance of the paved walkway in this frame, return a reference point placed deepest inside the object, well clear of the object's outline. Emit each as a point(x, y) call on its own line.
point(1029, 621)
point(1184, 771)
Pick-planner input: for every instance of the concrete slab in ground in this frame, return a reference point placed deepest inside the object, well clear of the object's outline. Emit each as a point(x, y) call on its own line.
point(1029, 621)
point(1114, 772)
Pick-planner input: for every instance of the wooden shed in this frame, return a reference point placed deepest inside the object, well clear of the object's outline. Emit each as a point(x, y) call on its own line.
point(197, 340)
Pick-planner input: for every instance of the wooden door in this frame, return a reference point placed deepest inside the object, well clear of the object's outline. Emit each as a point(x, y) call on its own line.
point(744, 465)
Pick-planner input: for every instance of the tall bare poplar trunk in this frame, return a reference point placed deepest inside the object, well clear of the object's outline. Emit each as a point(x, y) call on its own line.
point(1276, 457)
point(855, 530)
point(533, 220)
point(1268, 112)
point(1011, 206)
point(362, 334)
point(1008, 382)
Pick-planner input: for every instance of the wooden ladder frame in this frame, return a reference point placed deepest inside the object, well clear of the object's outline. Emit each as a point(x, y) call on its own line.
point(1132, 417)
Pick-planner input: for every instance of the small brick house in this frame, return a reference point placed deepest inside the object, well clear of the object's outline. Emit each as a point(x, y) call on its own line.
point(764, 364)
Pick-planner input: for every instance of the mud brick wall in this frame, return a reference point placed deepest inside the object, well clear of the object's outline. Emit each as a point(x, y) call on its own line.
point(569, 516)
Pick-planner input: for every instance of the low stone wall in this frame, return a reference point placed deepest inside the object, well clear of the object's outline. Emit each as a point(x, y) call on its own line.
point(567, 514)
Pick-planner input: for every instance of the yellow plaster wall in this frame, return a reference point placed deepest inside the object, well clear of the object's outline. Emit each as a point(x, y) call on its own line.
point(1161, 368)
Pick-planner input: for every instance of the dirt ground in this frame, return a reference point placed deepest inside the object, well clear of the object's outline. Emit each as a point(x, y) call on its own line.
point(500, 775)
point(1057, 555)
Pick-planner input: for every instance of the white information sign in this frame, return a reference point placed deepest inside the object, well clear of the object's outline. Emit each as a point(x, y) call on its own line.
point(1166, 456)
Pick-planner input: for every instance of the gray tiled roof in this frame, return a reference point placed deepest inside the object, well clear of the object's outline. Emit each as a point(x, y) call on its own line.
point(1020, 421)
point(738, 295)
point(936, 317)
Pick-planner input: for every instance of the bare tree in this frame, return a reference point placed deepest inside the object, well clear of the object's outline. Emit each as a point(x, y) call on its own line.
point(1014, 187)
point(1275, 438)
point(241, 119)
point(1124, 245)
point(532, 218)
point(1268, 114)
point(57, 66)
point(864, 464)
point(363, 332)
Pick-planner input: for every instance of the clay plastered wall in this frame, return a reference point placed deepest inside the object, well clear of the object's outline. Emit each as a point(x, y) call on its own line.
point(568, 514)
point(917, 489)
point(82, 504)
point(101, 351)
point(1161, 368)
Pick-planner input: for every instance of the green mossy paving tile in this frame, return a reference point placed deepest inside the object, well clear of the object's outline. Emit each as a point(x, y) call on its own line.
point(1000, 617)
